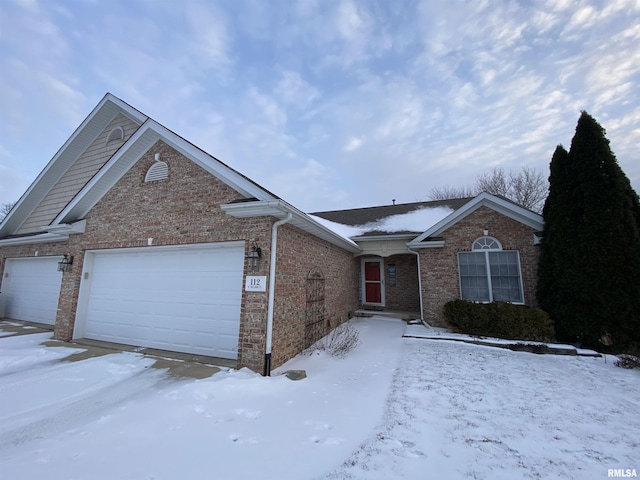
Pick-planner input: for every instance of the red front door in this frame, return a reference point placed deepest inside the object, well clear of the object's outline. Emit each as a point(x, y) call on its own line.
point(373, 282)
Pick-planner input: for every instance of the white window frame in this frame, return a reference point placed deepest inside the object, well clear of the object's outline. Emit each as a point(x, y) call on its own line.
point(487, 245)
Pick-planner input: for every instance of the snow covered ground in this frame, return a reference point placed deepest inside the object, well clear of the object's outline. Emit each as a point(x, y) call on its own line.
point(394, 408)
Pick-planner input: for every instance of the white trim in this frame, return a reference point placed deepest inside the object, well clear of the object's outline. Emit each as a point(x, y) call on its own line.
point(136, 146)
point(40, 238)
point(487, 237)
point(429, 244)
point(371, 238)
point(99, 118)
point(509, 209)
point(383, 299)
point(488, 273)
point(280, 209)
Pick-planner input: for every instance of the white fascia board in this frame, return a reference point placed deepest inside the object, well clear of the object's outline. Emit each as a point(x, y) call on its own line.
point(127, 109)
point(497, 204)
point(430, 244)
point(108, 175)
point(226, 174)
point(31, 239)
point(261, 208)
point(80, 139)
point(398, 236)
point(137, 145)
point(280, 209)
point(75, 227)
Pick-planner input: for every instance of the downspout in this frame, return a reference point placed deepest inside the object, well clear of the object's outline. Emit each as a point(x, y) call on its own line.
point(417, 254)
point(272, 290)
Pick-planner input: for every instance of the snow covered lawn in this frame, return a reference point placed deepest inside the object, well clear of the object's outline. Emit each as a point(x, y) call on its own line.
point(394, 408)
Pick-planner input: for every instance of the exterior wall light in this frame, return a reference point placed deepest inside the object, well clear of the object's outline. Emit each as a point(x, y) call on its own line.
point(253, 257)
point(64, 265)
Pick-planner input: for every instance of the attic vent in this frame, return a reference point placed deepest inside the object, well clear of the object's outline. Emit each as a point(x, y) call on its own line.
point(158, 171)
point(116, 135)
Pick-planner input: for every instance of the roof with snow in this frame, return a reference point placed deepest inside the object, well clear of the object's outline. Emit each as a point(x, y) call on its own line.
point(405, 218)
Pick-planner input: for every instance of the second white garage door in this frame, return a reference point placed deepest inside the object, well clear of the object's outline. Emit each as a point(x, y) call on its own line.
point(183, 299)
point(30, 289)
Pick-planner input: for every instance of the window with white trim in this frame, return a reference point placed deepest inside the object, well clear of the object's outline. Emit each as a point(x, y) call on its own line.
point(488, 273)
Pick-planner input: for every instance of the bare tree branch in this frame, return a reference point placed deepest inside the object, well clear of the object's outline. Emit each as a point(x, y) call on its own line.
point(5, 208)
point(448, 192)
point(528, 187)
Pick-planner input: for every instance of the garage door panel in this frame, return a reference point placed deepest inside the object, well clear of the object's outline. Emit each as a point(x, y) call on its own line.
point(184, 299)
point(31, 289)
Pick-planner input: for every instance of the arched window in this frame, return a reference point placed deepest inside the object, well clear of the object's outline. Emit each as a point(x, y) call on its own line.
point(486, 243)
point(488, 273)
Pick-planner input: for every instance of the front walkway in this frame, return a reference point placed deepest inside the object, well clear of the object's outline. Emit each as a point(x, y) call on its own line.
point(403, 315)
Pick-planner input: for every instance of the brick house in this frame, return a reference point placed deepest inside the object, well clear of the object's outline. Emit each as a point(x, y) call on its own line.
point(416, 257)
point(133, 235)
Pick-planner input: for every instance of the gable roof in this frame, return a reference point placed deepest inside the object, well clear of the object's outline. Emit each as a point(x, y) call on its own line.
point(380, 223)
point(122, 160)
point(495, 203)
point(108, 108)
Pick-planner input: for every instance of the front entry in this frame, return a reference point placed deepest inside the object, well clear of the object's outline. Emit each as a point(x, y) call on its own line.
point(373, 281)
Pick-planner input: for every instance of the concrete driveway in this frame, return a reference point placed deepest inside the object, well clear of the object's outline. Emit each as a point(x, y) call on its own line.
point(177, 364)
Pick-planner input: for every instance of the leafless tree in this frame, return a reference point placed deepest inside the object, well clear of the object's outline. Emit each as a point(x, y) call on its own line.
point(528, 187)
point(5, 208)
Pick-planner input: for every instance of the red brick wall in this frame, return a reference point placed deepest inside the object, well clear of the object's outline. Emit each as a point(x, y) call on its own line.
point(183, 209)
point(299, 254)
point(439, 266)
point(404, 294)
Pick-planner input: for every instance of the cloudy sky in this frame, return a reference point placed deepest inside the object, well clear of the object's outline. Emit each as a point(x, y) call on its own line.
point(327, 103)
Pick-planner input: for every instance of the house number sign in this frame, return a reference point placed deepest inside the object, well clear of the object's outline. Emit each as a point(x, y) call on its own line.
point(256, 283)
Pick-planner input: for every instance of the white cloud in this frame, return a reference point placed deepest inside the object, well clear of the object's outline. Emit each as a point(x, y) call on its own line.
point(208, 33)
point(330, 104)
point(271, 110)
point(352, 144)
point(294, 90)
point(583, 18)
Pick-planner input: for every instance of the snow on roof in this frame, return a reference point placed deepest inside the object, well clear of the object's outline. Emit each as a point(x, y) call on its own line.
point(416, 221)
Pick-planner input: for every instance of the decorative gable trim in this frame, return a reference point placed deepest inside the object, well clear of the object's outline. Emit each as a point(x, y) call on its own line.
point(82, 137)
point(136, 146)
point(497, 204)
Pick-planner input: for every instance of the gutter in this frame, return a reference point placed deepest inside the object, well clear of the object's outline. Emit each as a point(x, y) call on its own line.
point(419, 281)
point(272, 290)
point(51, 233)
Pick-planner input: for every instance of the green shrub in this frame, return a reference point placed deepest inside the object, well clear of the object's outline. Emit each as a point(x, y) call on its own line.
point(500, 319)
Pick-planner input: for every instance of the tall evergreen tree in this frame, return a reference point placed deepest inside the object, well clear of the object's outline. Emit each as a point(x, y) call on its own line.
point(589, 272)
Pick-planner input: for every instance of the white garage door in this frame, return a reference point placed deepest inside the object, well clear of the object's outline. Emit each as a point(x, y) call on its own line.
point(179, 299)
point(31, 288)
